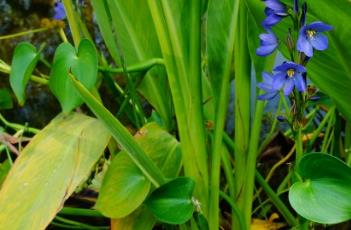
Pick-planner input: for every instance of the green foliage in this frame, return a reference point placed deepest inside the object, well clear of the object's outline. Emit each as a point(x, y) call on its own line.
point(57, 160)
point(129, 41)
point(125, 187)
point(172, 202)
point(23, 63)
point(82, 64)
point(324, 195)
point(122, 136)
point(5, 99)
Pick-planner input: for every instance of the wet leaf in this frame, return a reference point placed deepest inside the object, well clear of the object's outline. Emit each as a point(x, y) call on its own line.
point(57, 160)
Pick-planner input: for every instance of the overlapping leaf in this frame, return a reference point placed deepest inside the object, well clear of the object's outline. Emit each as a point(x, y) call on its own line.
point(82, 64)
point(125, 187)
point(50, 167)
point(324, 196)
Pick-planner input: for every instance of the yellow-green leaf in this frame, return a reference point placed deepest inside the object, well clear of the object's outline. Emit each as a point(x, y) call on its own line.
point(50, 167)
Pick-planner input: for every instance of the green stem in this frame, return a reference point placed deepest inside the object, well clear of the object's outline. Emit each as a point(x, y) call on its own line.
point(76, 223)
point(140, 67)
point(23, 33)
point(122, 136)
point(244, 160)
point(220, 114)
point(193, 152)
point(5, 68)
point(321, 125)
point(17, 127)
point(299, 144)
point(73, 25)
point(237, 212)
point(288, 216)
point(80, 212)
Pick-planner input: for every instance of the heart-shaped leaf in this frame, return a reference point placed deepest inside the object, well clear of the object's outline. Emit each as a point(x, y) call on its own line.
point(324, 196)
point(125, 187)
point(57, 160)
point(82, 64)
point(23, 63)
point(172, 202)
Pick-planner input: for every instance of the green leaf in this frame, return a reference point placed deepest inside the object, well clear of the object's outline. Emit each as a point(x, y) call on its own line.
point(172, 203)
point(122, 136)
point(125, 187)
point(5, 99)
point(83, 65)
point(130, 37)
point(57, 160)
point(324, 195)
point(23, 63)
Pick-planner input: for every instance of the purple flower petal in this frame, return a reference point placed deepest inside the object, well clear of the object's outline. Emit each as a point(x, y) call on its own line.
point(300, 83)
point(59, 10)
point(267, 77)
point(319, 42)
point(303, 45)
point(268, 39)
point(275, 5)
point(271, 20)
point(265, 50)
point(320, 26)
point(288, 87)
point(279, 80)
point(268, 95)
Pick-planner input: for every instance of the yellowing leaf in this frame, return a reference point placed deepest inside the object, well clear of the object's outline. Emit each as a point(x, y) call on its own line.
point(49, 169)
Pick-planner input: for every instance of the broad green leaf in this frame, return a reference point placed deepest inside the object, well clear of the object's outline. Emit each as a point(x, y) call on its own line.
point(172, 202)
point(324, 195)
point(161, 147)
point(23, 63)
point(57, 160)
point(219, 31)
point(124, 187)
point(82, 64)
point(122, 136)
point(129, 34)
point(5, 99)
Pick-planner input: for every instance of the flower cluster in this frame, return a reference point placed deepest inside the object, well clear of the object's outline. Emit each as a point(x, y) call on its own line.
point(289, 75)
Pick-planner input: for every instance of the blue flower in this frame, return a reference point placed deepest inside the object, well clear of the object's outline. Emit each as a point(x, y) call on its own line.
point(275, 11)
point(59, 11)
point(288, 75)
point(310, 37)
point(268, 44)
point(268, 86)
